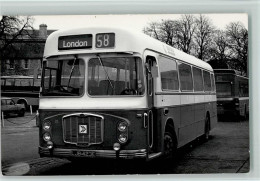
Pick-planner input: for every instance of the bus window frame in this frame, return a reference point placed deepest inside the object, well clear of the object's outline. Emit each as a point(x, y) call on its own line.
point(178, 76)
point(88, 58)
point(213, 87)
point(192, 90)
point(203, 90)
point(45, 61)
point(210, 90)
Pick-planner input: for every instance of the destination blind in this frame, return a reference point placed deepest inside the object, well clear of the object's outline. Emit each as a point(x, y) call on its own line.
point(75, 42)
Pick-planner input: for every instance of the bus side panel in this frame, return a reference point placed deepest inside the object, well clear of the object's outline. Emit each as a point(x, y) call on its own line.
point(210, 107)
point(188, 129)
point(172, 103)
point(161, 118)
point(199, 114)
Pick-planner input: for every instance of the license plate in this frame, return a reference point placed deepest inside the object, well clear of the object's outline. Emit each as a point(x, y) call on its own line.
point(84, 153)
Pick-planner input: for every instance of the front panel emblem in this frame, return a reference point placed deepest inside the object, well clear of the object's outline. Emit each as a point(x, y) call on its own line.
point(83, 129)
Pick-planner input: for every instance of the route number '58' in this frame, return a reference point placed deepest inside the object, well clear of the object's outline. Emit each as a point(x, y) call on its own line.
point(105, 40)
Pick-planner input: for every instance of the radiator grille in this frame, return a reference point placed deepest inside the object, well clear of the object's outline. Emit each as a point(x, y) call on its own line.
point(83, 129)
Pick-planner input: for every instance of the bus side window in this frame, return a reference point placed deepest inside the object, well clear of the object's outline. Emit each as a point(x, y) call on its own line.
point(169, 74)
point(10, 82)
point(207, 81)
point(213, 88)
point(197, 79)
point(185, 77)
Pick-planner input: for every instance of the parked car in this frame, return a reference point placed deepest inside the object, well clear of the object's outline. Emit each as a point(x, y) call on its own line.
point(8, 106)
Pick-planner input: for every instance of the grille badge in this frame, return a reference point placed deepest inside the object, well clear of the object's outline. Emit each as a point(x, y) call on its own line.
point(83, 129)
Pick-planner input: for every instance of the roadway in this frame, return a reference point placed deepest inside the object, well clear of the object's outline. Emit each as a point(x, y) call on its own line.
point(227, 151)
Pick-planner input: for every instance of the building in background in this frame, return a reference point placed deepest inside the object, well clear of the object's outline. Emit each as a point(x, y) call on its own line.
point(25, 55)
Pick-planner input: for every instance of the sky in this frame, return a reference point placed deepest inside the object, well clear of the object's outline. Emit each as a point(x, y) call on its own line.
point(135, 22)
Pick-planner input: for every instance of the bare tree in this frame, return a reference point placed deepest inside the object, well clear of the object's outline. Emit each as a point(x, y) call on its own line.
point(198, 36)
point(183, 32)
point(220, 46)
point(176, 33)
point(167, 27)
point(13, 28)
point(237, 38)
point(152, 30)
point(162, 31)
point(203, 37)
point(219, 50)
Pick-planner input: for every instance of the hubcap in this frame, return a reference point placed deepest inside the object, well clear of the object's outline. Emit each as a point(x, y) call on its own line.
point(168, 145)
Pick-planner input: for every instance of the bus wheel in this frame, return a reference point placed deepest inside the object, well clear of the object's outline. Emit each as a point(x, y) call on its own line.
point(207, 128)
point(169, 146)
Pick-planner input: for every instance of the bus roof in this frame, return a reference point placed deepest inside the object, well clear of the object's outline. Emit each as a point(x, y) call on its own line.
point(228, 71)
point(125, 41)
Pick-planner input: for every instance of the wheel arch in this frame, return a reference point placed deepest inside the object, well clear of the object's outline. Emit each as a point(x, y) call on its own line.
point(169, 126)
point(21, 100)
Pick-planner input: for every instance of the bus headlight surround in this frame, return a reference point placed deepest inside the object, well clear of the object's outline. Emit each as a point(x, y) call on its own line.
point(122, 126)
point(46, 136)
point(49, 144)
point(122, 138)
point(116, 146)
point(47, 125)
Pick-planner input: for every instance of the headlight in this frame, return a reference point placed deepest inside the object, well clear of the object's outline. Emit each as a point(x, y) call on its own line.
point(47, 136)
point(49, 145)
point(116, 146)
point(47, 125)
point(122, 126)
point(122, 138)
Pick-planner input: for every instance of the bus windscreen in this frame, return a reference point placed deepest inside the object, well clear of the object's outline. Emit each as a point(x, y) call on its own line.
point(115, 76)
point(63, 78)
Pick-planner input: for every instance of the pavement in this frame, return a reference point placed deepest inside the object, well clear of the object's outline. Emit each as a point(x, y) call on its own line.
point(16, 123)
point(227, 151)
point(18, 133)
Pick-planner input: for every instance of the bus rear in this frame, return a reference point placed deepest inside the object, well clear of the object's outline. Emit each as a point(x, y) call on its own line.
point(232, 93)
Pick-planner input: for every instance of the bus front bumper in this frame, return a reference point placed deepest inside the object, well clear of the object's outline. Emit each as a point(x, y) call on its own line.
point(121, 154)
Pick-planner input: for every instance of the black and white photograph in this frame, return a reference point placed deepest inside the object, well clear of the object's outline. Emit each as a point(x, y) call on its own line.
point(125, 94)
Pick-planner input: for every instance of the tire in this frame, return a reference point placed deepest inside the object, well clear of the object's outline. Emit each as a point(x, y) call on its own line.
point(170, 146)
point(21, 113)
point(207, 129)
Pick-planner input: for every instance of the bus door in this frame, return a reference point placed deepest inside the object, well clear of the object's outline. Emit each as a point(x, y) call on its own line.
point(151, 72)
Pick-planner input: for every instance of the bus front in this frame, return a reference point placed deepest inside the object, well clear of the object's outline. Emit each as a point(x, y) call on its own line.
point(92, 104)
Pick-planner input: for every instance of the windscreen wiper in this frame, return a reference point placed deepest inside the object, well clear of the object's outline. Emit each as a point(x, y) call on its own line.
point(101, 62)
point(71, 71)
